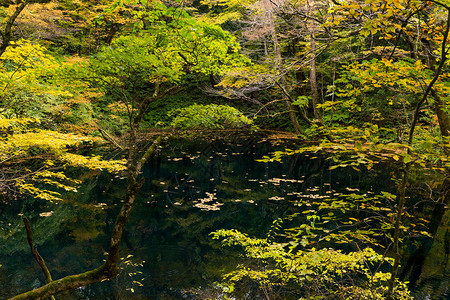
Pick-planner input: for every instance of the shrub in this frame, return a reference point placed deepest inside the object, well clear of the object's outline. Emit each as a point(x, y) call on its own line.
point(210, 116)
point(282, 271)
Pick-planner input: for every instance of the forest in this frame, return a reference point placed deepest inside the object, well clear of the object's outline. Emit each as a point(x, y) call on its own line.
point(224, 149)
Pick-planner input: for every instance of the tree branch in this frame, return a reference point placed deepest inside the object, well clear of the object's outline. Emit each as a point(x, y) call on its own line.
point(37, 256)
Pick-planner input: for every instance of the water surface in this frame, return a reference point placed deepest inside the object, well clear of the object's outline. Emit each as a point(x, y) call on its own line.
point(191, 190)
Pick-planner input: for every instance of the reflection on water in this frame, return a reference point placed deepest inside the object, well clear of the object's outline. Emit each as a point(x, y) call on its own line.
point(190, 190)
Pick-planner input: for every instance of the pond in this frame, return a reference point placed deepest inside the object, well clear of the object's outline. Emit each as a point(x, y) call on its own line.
point(191, 189)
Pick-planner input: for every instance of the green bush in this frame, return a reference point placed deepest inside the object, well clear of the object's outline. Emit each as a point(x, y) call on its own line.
point(275, 270)
point(210, 116)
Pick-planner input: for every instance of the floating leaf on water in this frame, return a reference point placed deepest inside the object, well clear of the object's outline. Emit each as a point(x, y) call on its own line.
point(352, 190)
point(46, 214)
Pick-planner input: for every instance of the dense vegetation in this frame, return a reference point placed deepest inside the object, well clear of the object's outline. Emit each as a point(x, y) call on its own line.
point(365, 80)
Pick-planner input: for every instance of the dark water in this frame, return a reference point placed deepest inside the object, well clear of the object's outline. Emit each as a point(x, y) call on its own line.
point(191, 190)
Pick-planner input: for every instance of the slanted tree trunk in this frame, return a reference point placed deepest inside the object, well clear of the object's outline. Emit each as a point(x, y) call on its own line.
point(109, 269)
point(6, 34)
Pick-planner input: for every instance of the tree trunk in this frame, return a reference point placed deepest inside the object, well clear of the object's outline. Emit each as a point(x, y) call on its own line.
point(439, 105)
point(7, 32)
point(279, 67)
point(293, 117)
point(313, 75)
point(397, 231)
point(290, 108)
point(442, 115)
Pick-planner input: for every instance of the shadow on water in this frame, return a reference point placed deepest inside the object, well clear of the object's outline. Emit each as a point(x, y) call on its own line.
point(191, 189)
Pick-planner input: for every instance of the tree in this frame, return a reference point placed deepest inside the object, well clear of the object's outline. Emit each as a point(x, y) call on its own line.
point(394, 66)
point(25, 106)
point(287, 40)
point(272, 72)
point(394, 28)
point(137, 69)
